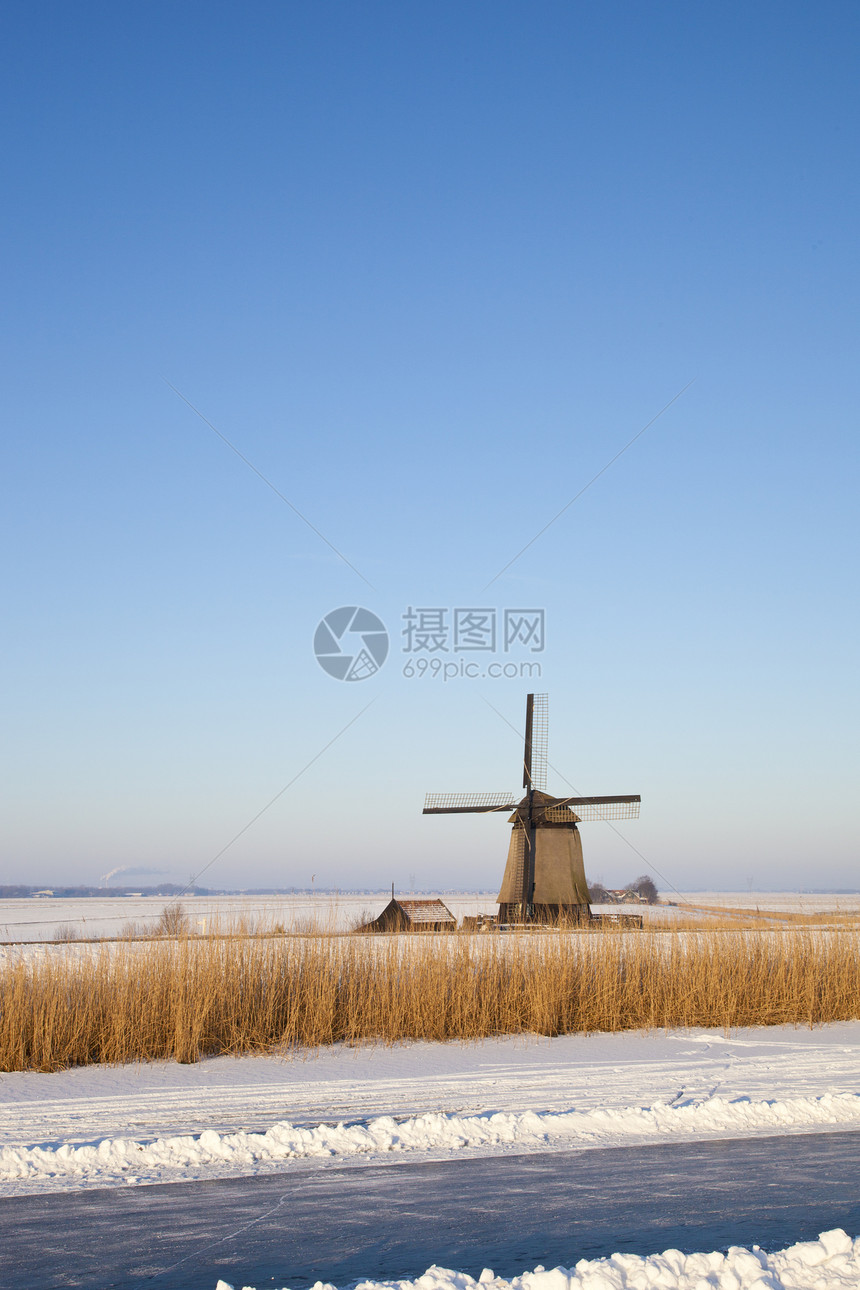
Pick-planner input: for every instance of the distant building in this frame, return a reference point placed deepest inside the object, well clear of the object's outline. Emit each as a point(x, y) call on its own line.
point(626, 896)
point(412, 916)
point(46, 892)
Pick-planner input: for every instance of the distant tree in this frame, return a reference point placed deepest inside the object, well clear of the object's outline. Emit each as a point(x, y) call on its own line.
point(173, 921)
point(598, 895)
point(65, 932)
point(646, 887)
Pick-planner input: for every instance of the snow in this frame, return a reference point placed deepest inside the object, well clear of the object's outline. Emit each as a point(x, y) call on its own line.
point(125, 1159)
point(44, 919)
point(101, 1126)
point(793, 902)
point(826, 1264)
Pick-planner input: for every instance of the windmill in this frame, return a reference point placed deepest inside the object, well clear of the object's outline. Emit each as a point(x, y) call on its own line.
point(544, 877)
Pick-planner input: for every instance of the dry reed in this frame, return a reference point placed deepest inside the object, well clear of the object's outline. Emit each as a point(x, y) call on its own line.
point(187, 998)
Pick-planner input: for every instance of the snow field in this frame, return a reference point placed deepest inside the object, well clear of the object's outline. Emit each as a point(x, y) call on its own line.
point(128, 1160)
point(788, 901)
point(45, 919)
point(831, 1262)
point(254, 1114)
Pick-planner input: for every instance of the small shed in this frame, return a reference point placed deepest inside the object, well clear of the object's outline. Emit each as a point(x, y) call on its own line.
point(412, 916)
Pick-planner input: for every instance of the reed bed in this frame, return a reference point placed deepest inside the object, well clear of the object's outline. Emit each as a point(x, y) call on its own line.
point(707, 916)
point(190, 997)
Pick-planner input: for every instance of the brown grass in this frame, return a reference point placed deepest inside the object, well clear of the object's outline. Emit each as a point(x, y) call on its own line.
point(189, 997)
point(707, 916)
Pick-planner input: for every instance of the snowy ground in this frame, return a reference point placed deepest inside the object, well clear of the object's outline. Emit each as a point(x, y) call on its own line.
point(98, 1126)
point(830, 1262)
point(45, 919)
point(781, 901)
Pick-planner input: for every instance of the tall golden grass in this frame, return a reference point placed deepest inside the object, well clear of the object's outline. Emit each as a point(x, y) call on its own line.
point(187, 998)
point(707, 916)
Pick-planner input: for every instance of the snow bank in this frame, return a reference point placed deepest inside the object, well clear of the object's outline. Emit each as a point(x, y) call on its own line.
point(830, 1262)
point(131, 1160)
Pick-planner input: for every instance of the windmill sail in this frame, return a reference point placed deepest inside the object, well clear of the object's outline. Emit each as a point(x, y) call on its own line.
point(468, 803)
point(540, 734)
point(527, 748)
point(594, 808)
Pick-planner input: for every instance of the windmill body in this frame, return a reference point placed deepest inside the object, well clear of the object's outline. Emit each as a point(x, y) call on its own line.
point(544, 879)
point(558, 886)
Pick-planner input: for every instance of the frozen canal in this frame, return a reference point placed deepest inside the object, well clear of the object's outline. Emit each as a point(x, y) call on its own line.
point(512, 1212)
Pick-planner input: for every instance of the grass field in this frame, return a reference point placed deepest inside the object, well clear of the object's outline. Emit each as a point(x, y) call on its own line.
point(185, 997)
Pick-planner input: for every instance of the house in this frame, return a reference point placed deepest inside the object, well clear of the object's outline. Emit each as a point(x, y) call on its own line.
point(412, 916)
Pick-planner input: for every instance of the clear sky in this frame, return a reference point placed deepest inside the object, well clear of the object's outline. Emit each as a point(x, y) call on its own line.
point(428, 268)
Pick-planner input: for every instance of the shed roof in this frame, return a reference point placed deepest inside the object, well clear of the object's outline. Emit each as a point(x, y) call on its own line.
point(425, 911)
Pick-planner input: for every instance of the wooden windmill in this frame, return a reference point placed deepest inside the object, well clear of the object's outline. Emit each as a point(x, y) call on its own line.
point(544, 877)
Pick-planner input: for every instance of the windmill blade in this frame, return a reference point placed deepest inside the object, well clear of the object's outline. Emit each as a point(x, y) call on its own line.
point(468, 803)
point(539, 735)
point(595, 808)
point(599, 801)
point(527, 747)
point(614, 811)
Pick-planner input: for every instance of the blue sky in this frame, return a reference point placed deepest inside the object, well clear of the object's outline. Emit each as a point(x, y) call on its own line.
point(428, 268)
